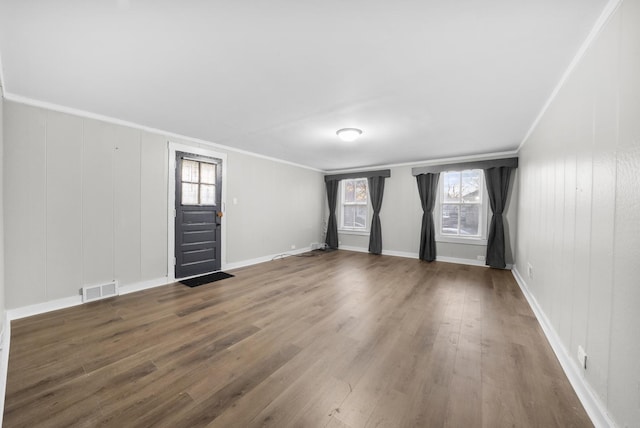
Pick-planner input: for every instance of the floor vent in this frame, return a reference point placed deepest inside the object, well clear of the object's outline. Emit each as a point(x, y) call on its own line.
point(97, 292)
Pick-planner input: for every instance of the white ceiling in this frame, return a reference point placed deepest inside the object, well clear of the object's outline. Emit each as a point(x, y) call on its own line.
point(423, 79)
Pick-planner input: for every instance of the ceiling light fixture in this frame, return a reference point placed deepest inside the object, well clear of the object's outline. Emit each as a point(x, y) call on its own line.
point(348, 134)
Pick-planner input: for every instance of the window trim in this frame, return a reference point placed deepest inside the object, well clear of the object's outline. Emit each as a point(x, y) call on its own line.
point(484, 213)
point(340, 207)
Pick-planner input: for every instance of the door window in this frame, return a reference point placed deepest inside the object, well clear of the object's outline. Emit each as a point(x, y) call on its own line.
point(198, 183)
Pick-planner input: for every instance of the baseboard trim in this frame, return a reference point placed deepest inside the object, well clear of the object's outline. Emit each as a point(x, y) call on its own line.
point(384, 252)
point(68, 302)
point(404, 254)
point(408, 255)
point(41, 308)
point(355, 249)
point(592, 404)
point(5, 343)
point(258, 260)
point(144, 285)
point(459, 261)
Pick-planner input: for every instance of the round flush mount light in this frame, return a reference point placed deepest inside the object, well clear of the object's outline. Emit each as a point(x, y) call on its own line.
point(348, 134)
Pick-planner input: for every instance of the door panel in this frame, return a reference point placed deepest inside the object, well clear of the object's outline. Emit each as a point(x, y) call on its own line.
point(197, 221)
point(204, 255)
point(199, 237)
point(197, 217)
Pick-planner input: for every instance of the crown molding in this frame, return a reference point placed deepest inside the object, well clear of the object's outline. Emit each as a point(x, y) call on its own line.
point(171, 135)
point(602, 20)
point(428, 162)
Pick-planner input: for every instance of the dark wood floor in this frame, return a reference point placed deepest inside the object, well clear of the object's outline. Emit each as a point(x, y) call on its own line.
point(339, 339)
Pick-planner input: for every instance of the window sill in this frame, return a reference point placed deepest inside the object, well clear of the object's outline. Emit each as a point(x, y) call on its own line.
point(353, 232)
point(459, 240)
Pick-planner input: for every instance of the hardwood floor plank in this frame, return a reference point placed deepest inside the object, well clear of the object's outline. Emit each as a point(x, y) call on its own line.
point(388, 410)
point(40, 379)
point(318, 412)
point(215, 404)
point(464, 406)
point(339, 339)
point(371, 387)
point(309, 369)
point(299, 393)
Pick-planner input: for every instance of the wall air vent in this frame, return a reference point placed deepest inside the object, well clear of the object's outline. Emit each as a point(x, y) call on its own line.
point(97, 292)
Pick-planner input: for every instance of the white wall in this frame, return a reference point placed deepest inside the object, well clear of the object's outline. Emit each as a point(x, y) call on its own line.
point(278, 206)
point(579, 218)
point(401, 219)
point(2, 298)
point(86, 202)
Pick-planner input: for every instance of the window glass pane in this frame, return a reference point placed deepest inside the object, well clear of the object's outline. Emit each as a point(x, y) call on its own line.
point(189, 194)
point(349, 191)
point(207, 173)
point(190, 171)
point(361, 216)
point(450, 219)
point(354, 208)
point(349, 215)
point(361, 191)
point(450, 186)
point(207, 194)
point(472, 185)
point(470, 220)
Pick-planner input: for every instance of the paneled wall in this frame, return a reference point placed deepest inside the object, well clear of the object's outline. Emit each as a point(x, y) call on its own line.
point(2, 298)
point(86, 203)
point(579, 211)
point(25, 211)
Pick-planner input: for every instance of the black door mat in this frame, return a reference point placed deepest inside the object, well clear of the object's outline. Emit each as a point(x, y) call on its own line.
point(206, 279)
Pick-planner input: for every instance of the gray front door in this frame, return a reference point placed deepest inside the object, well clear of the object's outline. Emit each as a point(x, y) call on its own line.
point(198, 214)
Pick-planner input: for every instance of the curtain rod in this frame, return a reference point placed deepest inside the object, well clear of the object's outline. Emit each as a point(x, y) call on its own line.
point(363, 174)
point(483, 164)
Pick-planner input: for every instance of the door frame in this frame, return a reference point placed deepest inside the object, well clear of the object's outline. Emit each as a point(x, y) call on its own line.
point(171, 202)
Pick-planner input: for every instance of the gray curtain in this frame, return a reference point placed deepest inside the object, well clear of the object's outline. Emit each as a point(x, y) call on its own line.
point(332, 226)
point(376, 191)
point(497, 180)
point(428, 190)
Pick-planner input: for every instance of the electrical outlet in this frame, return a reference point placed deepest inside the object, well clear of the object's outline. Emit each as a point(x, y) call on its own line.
point(530, 270)
point(293, 247)
point(480, 258)
point(582, 357)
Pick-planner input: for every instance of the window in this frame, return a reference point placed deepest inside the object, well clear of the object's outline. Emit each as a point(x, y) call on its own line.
point(198, 183)
point(354, 205)
point(462, 206)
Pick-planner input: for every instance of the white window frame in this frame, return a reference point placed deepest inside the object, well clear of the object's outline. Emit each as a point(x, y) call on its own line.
point(483, 222)
point(350, 230)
